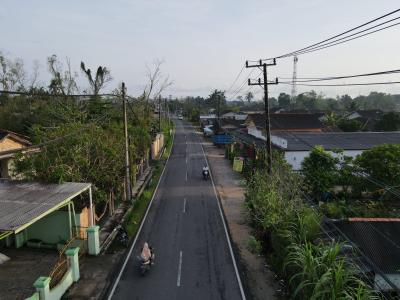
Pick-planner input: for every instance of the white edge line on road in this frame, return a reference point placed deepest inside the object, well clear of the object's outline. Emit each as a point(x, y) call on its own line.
point(178, 281)
point(184, 205)
point(140, 228)
point(225, 228)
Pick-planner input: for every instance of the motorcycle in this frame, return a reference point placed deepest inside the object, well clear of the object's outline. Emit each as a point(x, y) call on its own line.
point(206, 174)
point(123, 237)
point(145, 266)
point(146, 261)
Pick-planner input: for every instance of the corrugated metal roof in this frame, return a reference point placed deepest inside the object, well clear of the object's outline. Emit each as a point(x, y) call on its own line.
point(379, 241)
point(24, 202)
point(289, 121)
point(339, 140)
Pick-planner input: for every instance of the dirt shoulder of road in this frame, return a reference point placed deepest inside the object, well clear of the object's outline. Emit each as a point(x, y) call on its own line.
point(259, 281)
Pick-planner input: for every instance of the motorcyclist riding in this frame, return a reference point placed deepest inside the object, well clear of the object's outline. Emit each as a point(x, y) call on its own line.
point(147, 254)
point(206, 172)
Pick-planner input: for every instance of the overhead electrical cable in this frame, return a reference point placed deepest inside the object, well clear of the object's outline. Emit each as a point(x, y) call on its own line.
point(243, 84)
point(236, 79)
point(343, 33)
point(338, 39)
point(309, 79)
point(334, 43)
point(54, 95)
point(346, 84)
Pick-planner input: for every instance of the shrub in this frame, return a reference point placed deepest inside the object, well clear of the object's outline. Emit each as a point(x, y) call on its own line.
point(254, 245)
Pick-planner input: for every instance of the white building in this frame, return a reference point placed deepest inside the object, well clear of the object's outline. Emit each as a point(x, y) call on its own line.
point(297, 146)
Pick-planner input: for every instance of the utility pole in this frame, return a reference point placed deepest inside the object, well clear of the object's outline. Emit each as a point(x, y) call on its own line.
point(294, 79)
point(159, 113)
point(165, 109)
point(127, 164)
point(265, 84)
point(218, 111)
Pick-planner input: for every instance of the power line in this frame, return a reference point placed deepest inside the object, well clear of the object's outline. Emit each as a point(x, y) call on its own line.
point(334, 43)
point(343, 33)
point(347, 84)
point(334, 38)
point(310, 79)
point(54, 95)
point(346, 238)
point(237, 77)
point(46, 143)
point(243, 84)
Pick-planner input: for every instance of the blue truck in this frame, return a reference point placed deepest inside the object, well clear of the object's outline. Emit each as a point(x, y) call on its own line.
point(222, 139)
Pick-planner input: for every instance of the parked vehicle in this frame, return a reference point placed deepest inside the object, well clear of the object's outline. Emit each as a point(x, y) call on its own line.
point(180, 117)
point(208, 131)
point(222, 139)
point(123, 236)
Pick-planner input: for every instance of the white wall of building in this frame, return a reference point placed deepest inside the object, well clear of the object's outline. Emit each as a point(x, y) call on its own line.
point(295, 158)
point(252, 130)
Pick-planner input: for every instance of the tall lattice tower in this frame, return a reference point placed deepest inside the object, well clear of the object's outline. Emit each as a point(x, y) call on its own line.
point(294, 79)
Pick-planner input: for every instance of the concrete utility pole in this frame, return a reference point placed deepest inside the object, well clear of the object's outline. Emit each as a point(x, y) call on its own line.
point(265, 84)
point(128, 187)
point(218, 112)
point(165, 108)
point(294, 79)
point(159, 113)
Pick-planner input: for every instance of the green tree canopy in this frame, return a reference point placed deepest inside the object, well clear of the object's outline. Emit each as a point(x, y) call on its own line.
point(388, 122)
point(381, 163)
point(319, 170)
point(87, 153)
point(284, 100)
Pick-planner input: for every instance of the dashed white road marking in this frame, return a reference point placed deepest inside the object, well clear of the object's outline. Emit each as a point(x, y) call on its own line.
point(178, 281)
point(184, 205)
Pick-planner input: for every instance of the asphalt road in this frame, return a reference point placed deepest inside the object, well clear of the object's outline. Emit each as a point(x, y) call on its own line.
point(185, 227)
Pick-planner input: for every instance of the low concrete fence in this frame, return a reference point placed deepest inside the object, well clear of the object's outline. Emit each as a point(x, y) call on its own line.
point(42, 284)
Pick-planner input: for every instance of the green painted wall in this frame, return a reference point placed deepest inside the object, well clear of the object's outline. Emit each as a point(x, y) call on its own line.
point(20, 239)
point(52, 229)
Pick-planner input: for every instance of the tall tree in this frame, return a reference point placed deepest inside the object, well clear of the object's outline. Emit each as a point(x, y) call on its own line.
point(12, 74)
point(388, 122)
point(101, 78)
point(284, 100)
point(249, 96)
point(63, 82)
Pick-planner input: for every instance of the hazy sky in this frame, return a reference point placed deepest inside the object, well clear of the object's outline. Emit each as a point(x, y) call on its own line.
point(203, 43)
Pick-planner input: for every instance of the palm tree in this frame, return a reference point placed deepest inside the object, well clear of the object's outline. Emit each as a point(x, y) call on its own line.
point(249, 96)
point(102, 76)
